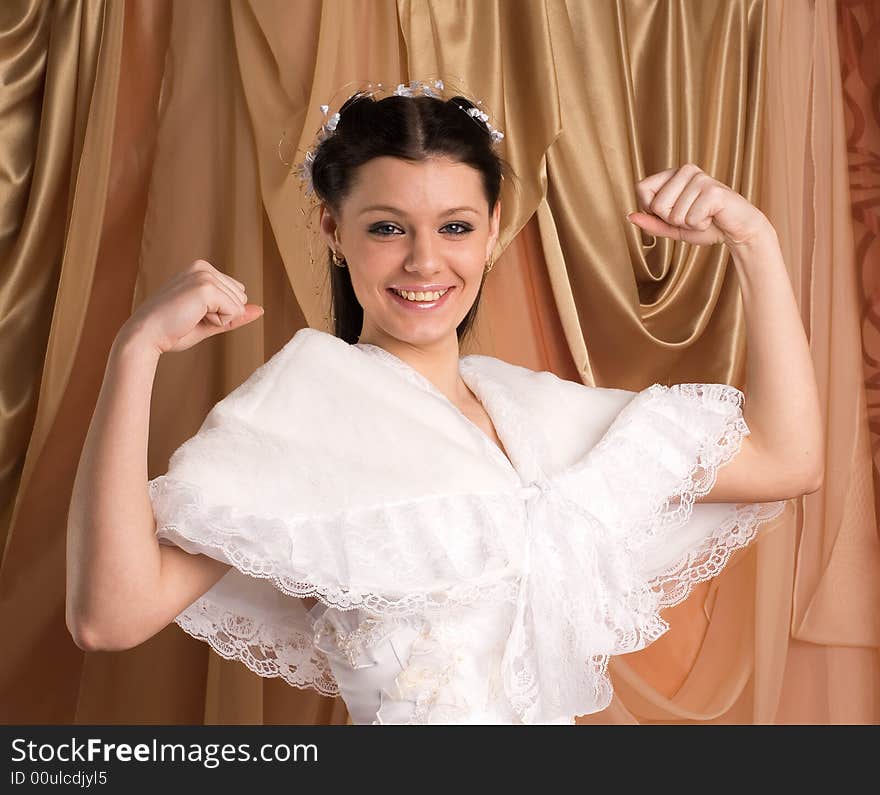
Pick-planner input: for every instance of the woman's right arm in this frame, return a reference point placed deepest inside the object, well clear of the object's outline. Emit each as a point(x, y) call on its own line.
point(123, 586)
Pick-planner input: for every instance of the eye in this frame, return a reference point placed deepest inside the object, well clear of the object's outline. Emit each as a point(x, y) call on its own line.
point(465, 228)
point(375, 230)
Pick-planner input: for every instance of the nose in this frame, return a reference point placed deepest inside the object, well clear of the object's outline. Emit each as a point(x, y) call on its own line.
point(425, 256)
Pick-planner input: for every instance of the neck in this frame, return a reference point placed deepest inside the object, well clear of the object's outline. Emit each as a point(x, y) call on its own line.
point(438, 361)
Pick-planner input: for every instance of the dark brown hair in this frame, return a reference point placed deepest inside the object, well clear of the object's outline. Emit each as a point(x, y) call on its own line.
point(411, 128)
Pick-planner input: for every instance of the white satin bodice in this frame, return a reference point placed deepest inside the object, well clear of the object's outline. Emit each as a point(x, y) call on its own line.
point(415, 670)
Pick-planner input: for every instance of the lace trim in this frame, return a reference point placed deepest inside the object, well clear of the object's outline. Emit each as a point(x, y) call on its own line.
point(259, 546)
point(676, 508)
point(352, 644)
point(267, 649)
point(679, 436)
point(719, 439)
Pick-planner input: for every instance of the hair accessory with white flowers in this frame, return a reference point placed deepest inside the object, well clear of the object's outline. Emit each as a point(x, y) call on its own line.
point(412, 89)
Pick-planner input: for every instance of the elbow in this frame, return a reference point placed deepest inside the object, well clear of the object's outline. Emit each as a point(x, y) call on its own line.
point(87, 638)
point(815, 481)
point(817, 475)
point(807, 476)
point(84, 638)
point(79, 629)
point(795, 482)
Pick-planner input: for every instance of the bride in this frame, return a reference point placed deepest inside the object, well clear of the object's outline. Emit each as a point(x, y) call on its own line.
point(434, 538)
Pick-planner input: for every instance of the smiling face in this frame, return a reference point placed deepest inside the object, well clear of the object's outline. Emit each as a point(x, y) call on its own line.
point(422, 226)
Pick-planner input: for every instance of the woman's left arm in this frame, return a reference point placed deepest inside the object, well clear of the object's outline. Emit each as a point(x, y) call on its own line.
point(784, 455)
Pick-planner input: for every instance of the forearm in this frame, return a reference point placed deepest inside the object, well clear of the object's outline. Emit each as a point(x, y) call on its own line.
point(113, 556)
point(781, 396)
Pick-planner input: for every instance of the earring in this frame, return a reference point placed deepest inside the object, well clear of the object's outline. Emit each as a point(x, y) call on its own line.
point(489, 266)
point(337, 260)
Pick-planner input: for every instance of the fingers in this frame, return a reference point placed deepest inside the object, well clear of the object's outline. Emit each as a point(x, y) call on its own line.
point(222, 303)
point(221, 306)
point(667, 193)
point(648, 188)
point(673, 196)
point(708, 203)
point(683, 205)
point(219, 312)
point(233, 284)
point(654, 225)
point(236, 286)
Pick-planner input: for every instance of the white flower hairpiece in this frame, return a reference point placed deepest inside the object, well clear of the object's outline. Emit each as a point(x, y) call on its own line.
point(412, 89)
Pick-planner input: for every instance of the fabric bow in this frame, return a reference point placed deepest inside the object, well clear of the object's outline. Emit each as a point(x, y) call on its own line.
point(578, 602)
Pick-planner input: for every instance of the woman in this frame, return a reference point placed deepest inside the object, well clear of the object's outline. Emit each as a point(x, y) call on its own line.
point(437, 539)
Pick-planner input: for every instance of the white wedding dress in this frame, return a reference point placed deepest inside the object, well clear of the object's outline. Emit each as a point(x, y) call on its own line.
point(455, 585)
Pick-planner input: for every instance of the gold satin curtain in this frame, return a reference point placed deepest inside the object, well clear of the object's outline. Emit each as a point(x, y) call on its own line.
point(142, 134)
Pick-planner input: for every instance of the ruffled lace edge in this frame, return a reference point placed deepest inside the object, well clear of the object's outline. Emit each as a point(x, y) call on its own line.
point(675, 508)
point(217, 531)
point(676, 583)
point(266, 649)
point(707, 561)
point(720, 438)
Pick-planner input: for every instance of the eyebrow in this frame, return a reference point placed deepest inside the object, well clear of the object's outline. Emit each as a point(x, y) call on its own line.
point(390, 209)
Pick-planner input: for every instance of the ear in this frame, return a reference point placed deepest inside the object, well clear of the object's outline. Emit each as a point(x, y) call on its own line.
point(328, 226)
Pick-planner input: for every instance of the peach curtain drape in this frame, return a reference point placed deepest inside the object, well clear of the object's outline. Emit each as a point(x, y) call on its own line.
point(143, 134)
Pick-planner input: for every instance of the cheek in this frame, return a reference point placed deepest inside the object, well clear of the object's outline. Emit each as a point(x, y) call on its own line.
point(374, 266)
point(476, 265)
point(368, 279)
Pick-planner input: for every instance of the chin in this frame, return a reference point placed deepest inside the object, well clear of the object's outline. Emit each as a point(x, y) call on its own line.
point(424, 337)
point(416, 331)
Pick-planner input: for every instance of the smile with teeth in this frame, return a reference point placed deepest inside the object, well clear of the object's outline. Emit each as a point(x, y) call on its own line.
point(420, 296)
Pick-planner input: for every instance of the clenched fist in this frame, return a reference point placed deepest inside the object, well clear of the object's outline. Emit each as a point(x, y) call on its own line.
point(687, 204)
point(198, 302)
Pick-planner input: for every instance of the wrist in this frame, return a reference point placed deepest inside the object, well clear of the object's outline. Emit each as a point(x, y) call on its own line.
point(131, 342)
point(763, 236)
point(763, 242)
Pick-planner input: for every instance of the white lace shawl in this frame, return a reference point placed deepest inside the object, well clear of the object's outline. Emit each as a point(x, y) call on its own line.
point(340, 472)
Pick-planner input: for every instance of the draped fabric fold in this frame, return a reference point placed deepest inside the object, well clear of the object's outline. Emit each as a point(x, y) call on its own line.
point(839, 536)
point(60, 70)
point(616, 288)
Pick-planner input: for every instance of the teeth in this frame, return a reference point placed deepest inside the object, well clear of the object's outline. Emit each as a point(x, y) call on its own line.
point(421, 296)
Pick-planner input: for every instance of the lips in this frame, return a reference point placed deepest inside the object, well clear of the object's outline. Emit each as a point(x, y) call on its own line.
point(420, 306)
point(427, 288)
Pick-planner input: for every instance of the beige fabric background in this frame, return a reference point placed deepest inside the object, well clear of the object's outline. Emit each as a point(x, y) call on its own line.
point(143, 134)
